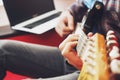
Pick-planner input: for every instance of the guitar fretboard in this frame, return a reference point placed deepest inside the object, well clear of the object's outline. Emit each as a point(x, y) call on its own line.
point(82, 41)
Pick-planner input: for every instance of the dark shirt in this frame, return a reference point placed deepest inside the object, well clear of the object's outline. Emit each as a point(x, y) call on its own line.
point(110, 19)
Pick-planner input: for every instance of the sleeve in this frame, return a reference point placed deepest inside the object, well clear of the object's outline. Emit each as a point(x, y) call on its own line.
point(78, 9)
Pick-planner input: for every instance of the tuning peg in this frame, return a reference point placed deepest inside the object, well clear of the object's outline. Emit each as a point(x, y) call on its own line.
point(114, 53)
point(115, 66)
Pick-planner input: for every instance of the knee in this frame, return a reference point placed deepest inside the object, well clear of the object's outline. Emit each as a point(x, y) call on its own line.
point(4, 44)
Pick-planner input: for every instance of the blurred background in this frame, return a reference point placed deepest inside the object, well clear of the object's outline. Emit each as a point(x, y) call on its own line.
point(62, 4)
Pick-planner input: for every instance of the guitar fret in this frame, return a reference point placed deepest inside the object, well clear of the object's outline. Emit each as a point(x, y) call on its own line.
point(82, 41)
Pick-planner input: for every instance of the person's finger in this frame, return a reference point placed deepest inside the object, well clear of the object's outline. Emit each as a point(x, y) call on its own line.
point(68, 47)
point(62, 30)
point(71, 55)
point(70, 38)
point(90, 34)
point(64, 27)
point(70, 21)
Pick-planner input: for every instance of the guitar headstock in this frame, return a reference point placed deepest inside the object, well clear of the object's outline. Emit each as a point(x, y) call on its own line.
point(95, 62)
point(101, 58)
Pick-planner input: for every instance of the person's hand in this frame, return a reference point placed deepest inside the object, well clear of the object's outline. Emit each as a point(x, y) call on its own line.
point(65, 25)
point(68, 51)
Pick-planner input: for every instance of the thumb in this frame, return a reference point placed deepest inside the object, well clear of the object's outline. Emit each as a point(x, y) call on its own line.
point(70, 21)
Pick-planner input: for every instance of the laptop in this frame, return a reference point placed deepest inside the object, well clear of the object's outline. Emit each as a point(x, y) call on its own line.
point(35, 16)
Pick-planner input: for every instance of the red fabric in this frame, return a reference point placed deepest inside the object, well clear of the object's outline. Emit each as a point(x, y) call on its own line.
point(49, 38)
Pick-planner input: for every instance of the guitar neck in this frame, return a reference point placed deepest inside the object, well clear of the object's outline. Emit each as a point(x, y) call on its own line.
point(82, 38)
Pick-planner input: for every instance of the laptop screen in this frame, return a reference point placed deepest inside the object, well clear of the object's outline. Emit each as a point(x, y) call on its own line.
point(21, 10)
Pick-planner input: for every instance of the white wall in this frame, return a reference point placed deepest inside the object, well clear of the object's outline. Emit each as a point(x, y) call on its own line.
point(1, 3)
point(4, 22)
point(62, 4)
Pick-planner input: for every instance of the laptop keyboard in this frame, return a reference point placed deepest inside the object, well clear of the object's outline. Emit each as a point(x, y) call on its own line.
point(32, 25)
